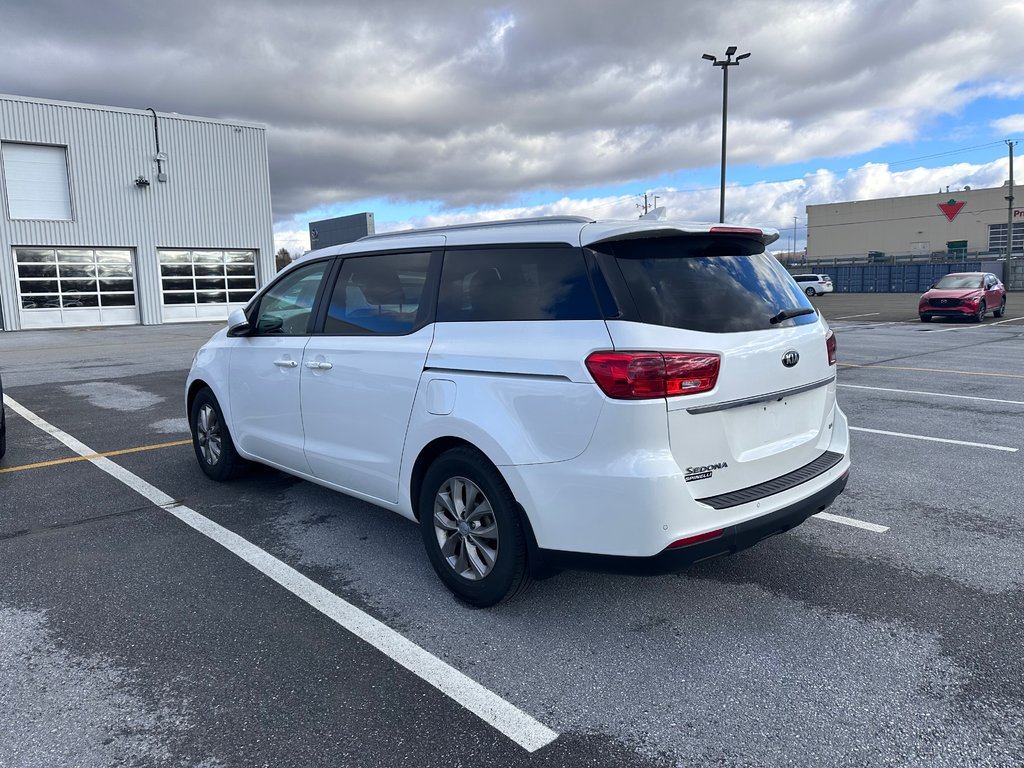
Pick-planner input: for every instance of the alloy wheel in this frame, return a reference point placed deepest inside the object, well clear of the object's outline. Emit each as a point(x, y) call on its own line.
point(208, 434)
point(466, 529)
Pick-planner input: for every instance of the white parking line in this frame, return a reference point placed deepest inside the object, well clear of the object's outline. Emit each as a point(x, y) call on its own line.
point(850, 317)
point(505, 717)
point(869, 325)
point(852, 522)
point(934, 394)
point(935, 439)
point(975, 326)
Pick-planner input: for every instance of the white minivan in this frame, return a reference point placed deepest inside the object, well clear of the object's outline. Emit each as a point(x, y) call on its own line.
point(814, 285)
point(537, 394)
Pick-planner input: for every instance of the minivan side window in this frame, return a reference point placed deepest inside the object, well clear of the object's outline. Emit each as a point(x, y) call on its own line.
point(382, 293)
point(516, 283)
point(286, 306)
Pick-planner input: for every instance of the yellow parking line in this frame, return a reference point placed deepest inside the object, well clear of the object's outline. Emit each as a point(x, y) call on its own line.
point(935, 370)
point(123, 451)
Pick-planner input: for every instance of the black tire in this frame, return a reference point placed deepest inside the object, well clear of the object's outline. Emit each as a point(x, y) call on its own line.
point(926, 318)
point(1002, 309)
point(3, 430)
point(811, 292)
point(466, 474)
point(214, 447)
point(981, 313)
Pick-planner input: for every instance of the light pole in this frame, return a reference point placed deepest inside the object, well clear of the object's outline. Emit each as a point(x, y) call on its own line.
point(1009, 207)
point(725, 63)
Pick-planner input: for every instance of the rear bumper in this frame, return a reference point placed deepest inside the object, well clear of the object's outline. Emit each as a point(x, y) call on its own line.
point(733, 539)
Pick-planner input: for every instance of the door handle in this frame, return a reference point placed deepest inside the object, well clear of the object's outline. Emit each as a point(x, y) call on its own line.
point(286, 363)
point(315, 365)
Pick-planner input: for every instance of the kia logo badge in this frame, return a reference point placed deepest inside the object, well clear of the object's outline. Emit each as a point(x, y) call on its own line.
point(791, 358)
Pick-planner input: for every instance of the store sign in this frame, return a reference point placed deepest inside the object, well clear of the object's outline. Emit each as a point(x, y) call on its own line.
point(952, 208)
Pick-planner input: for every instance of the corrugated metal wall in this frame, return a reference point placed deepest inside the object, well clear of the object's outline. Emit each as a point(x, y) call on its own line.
point(217, 193)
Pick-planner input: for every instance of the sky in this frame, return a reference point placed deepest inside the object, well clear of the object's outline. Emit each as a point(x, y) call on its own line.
point(427, 112)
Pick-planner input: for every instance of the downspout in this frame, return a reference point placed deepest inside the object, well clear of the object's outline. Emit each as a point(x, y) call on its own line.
point(156, 135)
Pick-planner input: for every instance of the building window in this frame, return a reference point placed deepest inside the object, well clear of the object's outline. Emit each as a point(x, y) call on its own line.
point(997, 238)
point(36, 181)
point(72, 278)
point(207, 277)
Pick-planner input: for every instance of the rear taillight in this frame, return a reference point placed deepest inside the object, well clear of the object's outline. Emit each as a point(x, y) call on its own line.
point(645, 375)
point(830, 345)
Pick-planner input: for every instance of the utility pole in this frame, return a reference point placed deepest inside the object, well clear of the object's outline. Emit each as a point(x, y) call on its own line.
point(725, 63)
point(645, 204)
point(794, 236)
point(1009, 206)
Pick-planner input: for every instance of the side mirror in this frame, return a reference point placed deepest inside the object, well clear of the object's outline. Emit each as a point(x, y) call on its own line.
point(238, 324)
point(270, 324)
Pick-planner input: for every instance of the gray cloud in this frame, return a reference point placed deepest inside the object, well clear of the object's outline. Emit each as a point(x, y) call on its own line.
point(475, 103)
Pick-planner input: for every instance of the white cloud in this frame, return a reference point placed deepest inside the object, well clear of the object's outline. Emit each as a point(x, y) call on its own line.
point(1011, 125)
point(770, 204)
point(476, 103)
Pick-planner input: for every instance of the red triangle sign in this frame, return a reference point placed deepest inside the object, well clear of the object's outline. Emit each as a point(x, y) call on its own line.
point(952, 208)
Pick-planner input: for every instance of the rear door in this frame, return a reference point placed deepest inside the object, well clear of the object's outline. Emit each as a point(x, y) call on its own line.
point(770, 412)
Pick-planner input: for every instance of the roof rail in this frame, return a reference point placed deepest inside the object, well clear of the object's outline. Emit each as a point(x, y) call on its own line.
point(482, 224)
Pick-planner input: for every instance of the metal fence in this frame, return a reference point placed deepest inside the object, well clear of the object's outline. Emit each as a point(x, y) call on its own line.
point(907, 273)
point(906, 278)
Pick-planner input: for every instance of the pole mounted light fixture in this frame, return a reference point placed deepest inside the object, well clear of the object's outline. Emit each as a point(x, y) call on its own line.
point(725, 63)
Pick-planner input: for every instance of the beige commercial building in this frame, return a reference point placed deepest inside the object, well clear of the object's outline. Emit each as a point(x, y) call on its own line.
point(954, 223)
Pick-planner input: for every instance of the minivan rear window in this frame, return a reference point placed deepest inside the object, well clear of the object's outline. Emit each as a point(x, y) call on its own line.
point(707, 283)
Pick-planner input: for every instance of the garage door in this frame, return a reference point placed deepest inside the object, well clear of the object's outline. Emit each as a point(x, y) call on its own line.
point(76, 286)
point(205, 284)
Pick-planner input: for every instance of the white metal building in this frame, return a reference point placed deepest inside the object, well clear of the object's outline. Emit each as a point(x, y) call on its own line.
point(119, 216)
point(960, 222)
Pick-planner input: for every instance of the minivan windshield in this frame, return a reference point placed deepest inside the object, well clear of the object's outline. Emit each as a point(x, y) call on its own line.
point(709, 283)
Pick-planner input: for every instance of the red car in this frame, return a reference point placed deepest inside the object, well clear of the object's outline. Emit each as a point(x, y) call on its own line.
point(964, 294)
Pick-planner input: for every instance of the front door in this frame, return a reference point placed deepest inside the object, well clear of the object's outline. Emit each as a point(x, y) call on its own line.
point(265, 371)
point(992, 297)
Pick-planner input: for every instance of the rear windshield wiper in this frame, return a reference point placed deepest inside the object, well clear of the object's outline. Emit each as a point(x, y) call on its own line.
point(788, 313)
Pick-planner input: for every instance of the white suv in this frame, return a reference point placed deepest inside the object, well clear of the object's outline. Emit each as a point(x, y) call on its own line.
point(814, 285)
point(539, 393)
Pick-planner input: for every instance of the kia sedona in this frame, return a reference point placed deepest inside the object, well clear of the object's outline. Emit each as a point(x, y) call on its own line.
point(538, 394)
point(967, 295)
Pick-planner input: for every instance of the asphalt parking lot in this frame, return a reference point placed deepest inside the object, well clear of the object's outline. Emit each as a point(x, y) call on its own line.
point(133, 633)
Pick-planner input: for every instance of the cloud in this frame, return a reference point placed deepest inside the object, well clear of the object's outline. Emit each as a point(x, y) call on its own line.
point(469, 103)
point(1011, 125)
point(771, 204)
